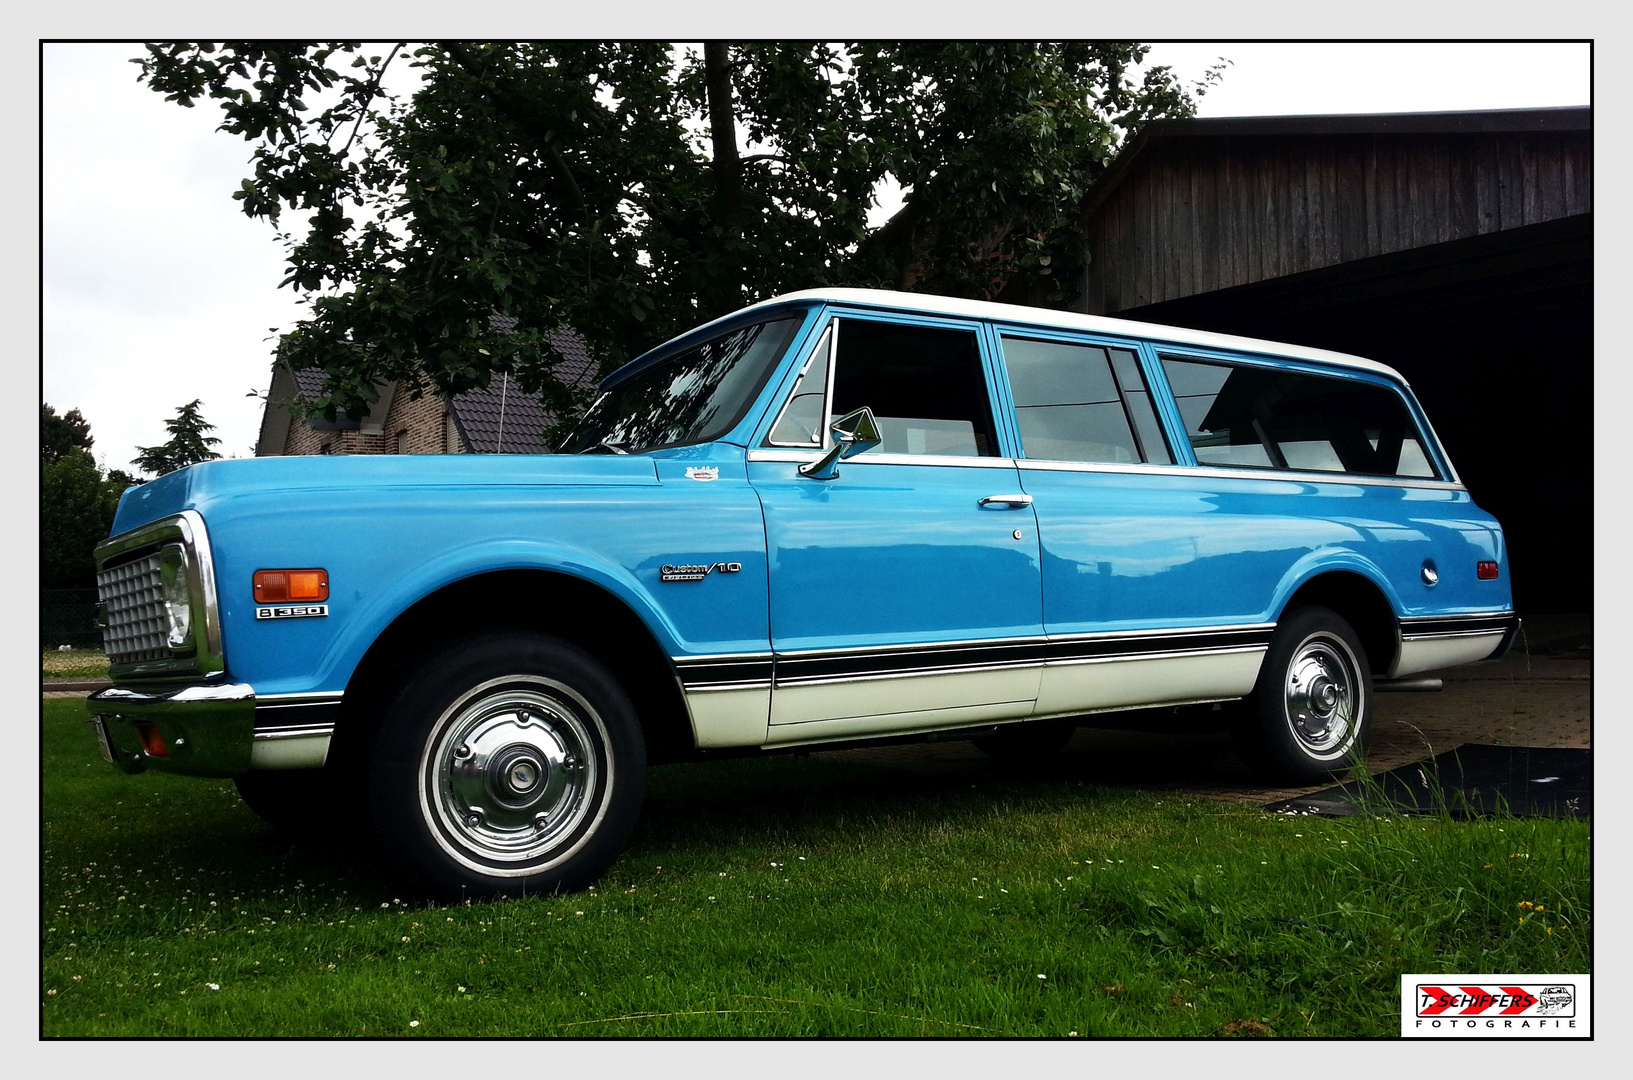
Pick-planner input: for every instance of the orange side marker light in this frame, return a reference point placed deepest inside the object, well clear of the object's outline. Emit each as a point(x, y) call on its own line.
point(283, 586)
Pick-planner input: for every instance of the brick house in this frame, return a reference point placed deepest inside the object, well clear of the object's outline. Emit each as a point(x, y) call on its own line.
point(499, 419)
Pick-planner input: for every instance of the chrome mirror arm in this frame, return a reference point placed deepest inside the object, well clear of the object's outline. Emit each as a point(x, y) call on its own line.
point(853, 433)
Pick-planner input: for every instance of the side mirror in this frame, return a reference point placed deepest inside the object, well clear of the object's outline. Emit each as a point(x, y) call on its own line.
point(853, 433)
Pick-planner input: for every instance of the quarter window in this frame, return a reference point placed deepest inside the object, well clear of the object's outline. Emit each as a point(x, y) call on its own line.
point(1268, 418)
point(1081, 403)
point(801, 423)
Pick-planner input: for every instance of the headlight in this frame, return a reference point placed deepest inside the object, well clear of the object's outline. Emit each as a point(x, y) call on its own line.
point(178, 596)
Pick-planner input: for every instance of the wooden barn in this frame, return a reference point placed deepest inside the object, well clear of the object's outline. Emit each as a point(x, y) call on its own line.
point(1455, 247)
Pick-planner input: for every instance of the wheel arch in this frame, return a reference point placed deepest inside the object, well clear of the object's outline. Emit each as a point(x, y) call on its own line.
point(1360, 601)
point(576, 610)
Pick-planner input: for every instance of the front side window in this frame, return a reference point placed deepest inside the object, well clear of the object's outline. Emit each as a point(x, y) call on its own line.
point(925, 385)
point(693, 397)
point(1267, 418)
point(1081, 403)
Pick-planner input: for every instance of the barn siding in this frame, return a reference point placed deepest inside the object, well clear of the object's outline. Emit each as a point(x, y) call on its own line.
point(1201, 213)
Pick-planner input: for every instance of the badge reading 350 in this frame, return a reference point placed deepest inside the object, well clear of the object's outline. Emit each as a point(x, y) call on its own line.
point(696, 572)
point(292, 611)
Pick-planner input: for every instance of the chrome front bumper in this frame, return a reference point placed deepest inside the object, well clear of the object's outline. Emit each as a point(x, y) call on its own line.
point(196, 730)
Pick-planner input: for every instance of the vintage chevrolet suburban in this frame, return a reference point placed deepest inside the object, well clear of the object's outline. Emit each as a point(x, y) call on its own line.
point(833, 516)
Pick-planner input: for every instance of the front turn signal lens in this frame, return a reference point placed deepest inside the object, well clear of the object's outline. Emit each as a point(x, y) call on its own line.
point(284, 586)
point(1485, 570)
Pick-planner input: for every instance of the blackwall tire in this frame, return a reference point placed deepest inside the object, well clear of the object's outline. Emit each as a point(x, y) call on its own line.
point(1310, 713)
point(510, 763)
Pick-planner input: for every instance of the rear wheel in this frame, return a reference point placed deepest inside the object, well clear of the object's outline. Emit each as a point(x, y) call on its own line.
point(510, 763)
point(1310, 713)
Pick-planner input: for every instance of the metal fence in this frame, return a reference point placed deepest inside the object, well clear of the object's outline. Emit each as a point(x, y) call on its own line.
point(68, 617)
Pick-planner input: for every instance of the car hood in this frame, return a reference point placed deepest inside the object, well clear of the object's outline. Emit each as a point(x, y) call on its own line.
point(213, 481)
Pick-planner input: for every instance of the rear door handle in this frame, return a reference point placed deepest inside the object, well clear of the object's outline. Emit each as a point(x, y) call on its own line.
point(1012, 502)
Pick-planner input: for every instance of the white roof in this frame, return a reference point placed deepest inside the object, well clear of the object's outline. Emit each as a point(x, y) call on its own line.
point(921, 303)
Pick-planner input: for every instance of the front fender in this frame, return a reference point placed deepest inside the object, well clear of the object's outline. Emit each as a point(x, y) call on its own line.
point(361, 631)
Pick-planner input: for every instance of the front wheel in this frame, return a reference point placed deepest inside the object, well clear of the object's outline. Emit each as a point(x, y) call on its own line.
point(511, 763)
point(1310, 712)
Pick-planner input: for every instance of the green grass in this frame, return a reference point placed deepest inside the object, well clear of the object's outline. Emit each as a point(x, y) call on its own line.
point(798, 897)
point(74, 664)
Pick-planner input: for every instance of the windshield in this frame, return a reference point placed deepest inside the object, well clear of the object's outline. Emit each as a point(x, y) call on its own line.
point(692, 397)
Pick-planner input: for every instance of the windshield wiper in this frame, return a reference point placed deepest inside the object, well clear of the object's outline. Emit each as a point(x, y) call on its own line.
point(604, 448)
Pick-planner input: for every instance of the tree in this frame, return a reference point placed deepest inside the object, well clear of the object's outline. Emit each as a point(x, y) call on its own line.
point(61, 434)
point(631, 190)
point(189, 443)
point(77, 500)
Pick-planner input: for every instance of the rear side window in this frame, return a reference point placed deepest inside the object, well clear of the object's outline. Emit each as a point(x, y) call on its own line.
point(1266, 418)
point(1081, 403)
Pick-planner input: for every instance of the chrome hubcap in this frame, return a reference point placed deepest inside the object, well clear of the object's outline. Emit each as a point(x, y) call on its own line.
point(511, 772)
point(1321, 695)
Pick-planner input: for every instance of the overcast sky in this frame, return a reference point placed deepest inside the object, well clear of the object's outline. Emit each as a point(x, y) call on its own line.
point(156, 290)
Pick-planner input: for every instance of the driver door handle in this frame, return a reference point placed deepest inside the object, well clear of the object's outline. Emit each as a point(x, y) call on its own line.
point(1013, 502)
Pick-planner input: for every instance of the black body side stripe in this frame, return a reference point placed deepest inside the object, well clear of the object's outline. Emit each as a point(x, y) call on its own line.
point(1459, 624)
point(707, 673)
point(1190, 641)
point(277, 715)
point(758, 672)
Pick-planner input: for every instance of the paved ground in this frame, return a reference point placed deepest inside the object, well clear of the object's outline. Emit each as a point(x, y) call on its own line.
point(1539, 695)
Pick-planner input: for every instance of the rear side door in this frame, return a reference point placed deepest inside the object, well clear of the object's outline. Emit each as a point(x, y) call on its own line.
point(1135, 610)
point(905, 593)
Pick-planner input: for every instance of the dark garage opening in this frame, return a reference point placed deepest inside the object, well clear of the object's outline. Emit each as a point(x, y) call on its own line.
point(1495, 336)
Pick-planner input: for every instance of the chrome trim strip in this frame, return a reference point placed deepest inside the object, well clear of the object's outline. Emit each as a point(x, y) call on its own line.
point(321, 695)
point(1215, 472)
point(871, 458)
point(907, 673)
point(1446, 635)
point(295, 732)
point(1496, 618)
point(858, 665)
point(711, 688)
point(917, 646)
point(1182, 631)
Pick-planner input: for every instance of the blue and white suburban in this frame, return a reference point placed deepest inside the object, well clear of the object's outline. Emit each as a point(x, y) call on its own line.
point(836, 515)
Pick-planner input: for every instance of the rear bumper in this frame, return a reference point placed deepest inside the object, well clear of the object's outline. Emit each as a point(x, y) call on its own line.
point(196, 730)
point(1507, 643)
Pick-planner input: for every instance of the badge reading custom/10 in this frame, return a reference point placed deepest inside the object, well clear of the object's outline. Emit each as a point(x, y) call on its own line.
point(696, 571)
point(293, 611)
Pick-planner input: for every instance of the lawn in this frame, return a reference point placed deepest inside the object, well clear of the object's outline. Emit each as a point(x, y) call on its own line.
point(73, 664)
point(815, 896)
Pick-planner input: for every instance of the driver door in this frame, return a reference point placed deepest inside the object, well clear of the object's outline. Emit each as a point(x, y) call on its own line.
point(905, 592)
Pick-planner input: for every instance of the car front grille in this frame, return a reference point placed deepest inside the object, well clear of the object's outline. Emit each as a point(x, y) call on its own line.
point(134, 624)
